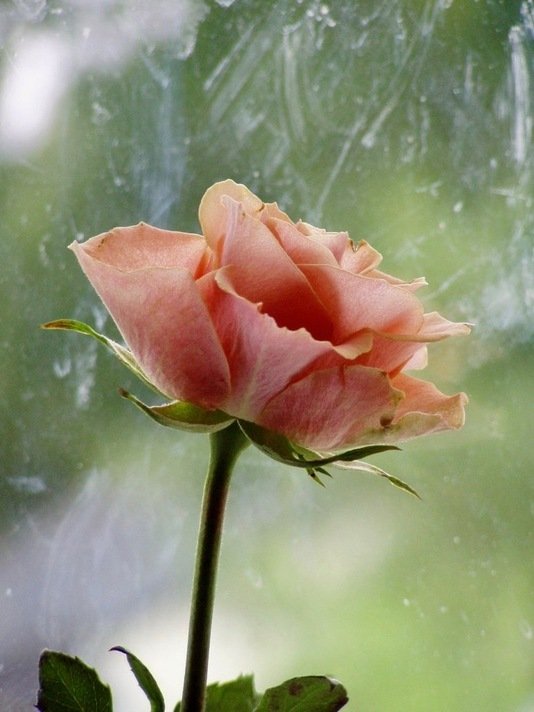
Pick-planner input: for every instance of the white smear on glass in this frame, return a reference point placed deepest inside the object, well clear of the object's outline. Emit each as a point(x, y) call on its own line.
point(520, 85)
point(100, 36)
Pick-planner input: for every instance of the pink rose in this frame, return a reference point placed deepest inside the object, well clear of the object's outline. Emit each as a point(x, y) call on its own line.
point(274, 322)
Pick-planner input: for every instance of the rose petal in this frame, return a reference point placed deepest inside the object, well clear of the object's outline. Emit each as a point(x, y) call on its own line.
point(422, 410)
point(435, 328)
point(389, 354)
point(418, 360)
point(212, 211)
point(359, 258)
point(362, 303)
point(411, 286)
point(393, 352)
point(302, 248)
point(142, 245)
point(262, 272)
point(335, 242)
point(423, 397)
point(328, 410)
point(264, 358)
point(161, 317)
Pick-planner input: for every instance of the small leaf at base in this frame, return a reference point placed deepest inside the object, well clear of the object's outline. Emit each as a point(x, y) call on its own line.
point(305, 694)
point(145, 680)
point(67, 684)
point(235, 696)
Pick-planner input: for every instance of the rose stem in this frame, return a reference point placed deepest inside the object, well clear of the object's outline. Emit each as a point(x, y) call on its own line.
point(226, 446)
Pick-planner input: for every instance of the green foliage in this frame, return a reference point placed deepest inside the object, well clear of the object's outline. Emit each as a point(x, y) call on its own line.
point(235, 696)
point(305, 694)
point(283, 450)
point(145, 679)
point(67, 684)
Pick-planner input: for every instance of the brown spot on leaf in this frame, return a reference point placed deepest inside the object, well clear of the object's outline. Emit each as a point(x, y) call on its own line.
point(295, 688)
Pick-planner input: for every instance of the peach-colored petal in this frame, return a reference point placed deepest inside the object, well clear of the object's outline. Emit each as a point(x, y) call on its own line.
point(262, 272)
point(435, 328)
point(393, 352)
point(423, 410)
point(418, 360)
point(362, 303)
point(411, 286)
point(163, 320)
point(142, 245)
point(336, 242)
point(359, 258)
point(389, 354)
point(264, 358)
point(212, 211)
point(423, 396)
point(329, 409)
point(272, 211)
point(302, 248)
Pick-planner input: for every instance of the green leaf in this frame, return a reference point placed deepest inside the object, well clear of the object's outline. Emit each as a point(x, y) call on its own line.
point(67, 684)
point(145, 680)
point(124, 355)
point(182, 415)
point(236, 696)
point(305, 694)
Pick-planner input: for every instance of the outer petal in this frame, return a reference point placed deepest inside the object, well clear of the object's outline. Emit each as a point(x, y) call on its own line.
point(329, 410)
point(362, 303)
point(411, 286)
point(263, 357)
point(394, 352)
point(142, 245)
point(423, 410)
point(424, 397)
point(160, 314)
point(435, 328)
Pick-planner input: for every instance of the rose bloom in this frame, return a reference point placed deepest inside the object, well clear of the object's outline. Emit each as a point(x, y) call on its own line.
point(278, 323)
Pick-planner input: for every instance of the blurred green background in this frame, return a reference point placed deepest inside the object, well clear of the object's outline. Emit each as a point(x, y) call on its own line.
point(410, 124)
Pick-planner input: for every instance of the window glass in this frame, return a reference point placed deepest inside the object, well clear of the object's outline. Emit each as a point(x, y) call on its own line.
point(408, 123)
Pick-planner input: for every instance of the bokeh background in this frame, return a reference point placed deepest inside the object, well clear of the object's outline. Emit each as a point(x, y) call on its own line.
point(410, 124)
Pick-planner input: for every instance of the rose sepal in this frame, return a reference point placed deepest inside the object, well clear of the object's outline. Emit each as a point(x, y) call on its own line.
point(281, 449)
point(124, 355)
point(182, 415)
point(379, 472)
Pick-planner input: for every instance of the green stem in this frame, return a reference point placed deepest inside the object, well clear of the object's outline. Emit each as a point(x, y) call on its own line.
point(226, 446)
